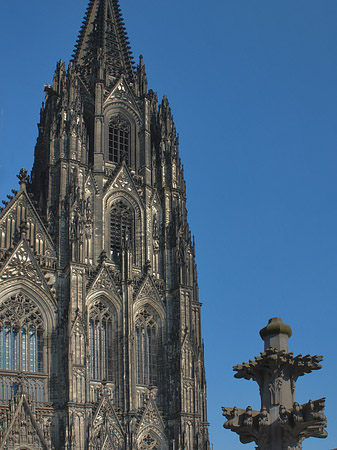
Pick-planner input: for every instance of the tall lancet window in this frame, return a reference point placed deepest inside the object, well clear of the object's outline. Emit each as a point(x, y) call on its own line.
point(101, 337)
point(119, 140)
point(121, 229)
point(21, 335)
point(146, 347)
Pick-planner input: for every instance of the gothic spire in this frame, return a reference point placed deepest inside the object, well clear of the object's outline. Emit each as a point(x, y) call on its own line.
point(103, 41)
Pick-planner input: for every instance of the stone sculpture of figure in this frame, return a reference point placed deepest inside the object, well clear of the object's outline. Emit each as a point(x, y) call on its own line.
point(314, 410)
point(89, 209)
point(73, 182)
point(248, 417)
point(263, 417)
point(283, 414)
point(51, 221)
point(297, 412)
point(232, 415)
point(73, 225)
point(155, 226)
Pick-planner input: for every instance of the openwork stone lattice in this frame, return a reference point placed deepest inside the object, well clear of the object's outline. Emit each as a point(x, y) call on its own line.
point(20, 311)
point(149, 443)
point(21, 335)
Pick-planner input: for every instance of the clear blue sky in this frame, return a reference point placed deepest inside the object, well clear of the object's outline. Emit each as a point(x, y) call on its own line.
point(253, 88)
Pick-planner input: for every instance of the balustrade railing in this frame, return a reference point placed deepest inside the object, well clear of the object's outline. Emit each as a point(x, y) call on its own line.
point(35, 386)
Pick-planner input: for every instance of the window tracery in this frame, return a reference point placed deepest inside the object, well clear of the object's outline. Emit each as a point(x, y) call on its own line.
point(119, 140)
point(149, 443)
point(101, 338)
point(21, 335)
point(146, 347)
point(121, 228)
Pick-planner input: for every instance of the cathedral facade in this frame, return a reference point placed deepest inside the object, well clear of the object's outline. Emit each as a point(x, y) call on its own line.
point(100, 334)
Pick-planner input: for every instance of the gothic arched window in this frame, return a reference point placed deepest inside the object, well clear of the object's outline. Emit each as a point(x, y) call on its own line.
point(101, 337)
point(146, 347)
point(121, 228)
point(119, 140)
point(21, 335)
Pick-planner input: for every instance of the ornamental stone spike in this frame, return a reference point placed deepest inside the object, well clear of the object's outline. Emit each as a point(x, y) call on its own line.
point(281, 423)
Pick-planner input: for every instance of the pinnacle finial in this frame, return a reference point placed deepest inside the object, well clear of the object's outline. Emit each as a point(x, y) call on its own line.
point(23, 176)
point(102, 257)
point(147, 266)
point(282, 422)
point(276, 334)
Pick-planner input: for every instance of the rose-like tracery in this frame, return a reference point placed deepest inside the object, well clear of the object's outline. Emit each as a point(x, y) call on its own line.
point(148, 443)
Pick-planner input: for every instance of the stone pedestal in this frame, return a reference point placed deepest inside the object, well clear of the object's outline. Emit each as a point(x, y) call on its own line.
point(281, 423)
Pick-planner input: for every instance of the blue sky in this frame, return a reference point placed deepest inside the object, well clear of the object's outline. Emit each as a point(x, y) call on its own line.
point(253, 89)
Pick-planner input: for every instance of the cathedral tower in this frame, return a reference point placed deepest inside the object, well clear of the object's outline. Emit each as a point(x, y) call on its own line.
point(100, 340)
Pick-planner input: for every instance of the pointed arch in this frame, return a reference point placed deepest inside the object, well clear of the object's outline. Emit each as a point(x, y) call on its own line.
point(122, 126)
point(154, 304)
point(21, 334)
point(78, 333)
point(124, 217)
point(152, 438)
point(187, 359)
point(102, 326)
point(148, 329)
point(27, 319)
point(122, 228)
point(119, 144)
point(46, 303)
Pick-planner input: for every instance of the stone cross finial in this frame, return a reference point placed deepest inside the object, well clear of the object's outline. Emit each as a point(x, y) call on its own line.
point(282, 423)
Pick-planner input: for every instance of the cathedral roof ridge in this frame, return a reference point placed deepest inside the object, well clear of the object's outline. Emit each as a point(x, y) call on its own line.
point(103, 40)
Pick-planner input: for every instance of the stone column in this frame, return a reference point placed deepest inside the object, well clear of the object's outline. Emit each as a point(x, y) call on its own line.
point(281, 423)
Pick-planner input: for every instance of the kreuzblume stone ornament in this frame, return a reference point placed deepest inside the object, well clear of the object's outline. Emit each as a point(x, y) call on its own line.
point(282, 423)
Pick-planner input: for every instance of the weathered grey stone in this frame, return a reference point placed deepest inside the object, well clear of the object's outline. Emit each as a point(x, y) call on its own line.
point(281, 424)
point(100, 344)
